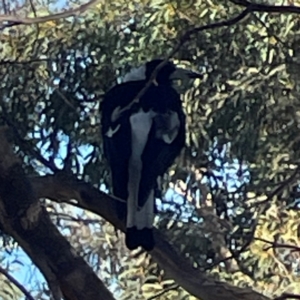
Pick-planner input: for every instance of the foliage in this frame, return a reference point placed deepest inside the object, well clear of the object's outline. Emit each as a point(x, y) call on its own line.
point(8, 290)
point(238, 176)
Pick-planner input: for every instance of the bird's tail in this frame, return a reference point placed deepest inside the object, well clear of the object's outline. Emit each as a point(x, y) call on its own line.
point(139, 231)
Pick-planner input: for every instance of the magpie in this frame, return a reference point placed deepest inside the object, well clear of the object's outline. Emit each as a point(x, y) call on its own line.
point(141, 139)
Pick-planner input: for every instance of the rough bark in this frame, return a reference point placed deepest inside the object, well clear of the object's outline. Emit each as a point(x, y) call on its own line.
point(22, 217)
point(63, 188)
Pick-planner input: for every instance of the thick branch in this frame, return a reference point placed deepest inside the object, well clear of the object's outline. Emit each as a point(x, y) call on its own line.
point(15, 20)
point(22, 217)
point(62, 188)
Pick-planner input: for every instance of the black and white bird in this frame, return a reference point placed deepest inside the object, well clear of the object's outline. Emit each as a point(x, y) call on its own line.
point(141, 140)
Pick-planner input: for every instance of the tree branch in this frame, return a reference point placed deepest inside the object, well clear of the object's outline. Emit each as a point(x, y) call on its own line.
point(23, 217)
point(15, 20)
point(16, 283)
point(278, 245)
point(170, 288)
point(267, 8)
point(288, 296)
point(250, 7)
point(186, 37)
point(64, 188)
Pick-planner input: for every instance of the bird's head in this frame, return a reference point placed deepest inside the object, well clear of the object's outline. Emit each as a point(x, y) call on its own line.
point(166, 75)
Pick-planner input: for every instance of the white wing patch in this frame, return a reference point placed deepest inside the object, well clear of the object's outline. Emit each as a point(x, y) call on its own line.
point(136, 74)
point(110, 132)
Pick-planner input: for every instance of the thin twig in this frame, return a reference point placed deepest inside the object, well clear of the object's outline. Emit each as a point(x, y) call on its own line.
point(33, 8)
point(186, 37)
point(287, 296)
point(255, 7)
point(287, 182)
point(24, 143)
point(16, 283)
point(170, 288)
point(278, 245)
point(250, 7)
point(15, 20)
point(4, 7)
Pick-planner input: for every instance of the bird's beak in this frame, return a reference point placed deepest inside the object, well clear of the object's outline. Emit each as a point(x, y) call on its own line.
point(183, 74)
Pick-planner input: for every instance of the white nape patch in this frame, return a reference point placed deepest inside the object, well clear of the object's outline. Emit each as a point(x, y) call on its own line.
point(135, 74)
point(145, 216)
point(168, 125)
point(141, 123)
point(110, 132)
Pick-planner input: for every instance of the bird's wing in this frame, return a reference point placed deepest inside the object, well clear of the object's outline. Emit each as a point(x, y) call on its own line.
point(160, 152)
point(116, 133)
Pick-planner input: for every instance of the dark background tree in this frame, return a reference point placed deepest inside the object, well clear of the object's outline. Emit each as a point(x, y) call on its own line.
point(228, 223)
